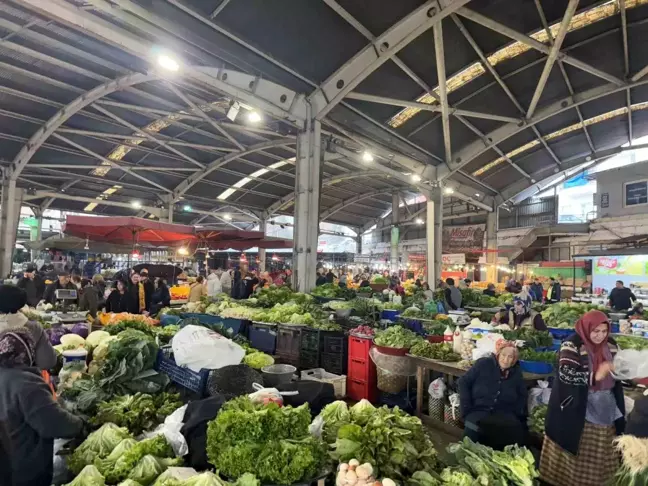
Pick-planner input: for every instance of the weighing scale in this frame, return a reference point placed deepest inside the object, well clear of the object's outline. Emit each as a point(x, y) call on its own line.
point(63, 295)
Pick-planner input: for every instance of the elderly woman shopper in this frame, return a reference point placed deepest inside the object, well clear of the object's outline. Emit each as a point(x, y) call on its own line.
point(521, 315)
point(586, 409)
point(493, 399)
point(12, 299)
point(30, 416)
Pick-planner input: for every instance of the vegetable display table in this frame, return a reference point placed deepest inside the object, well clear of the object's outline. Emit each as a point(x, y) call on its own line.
point(452, 370)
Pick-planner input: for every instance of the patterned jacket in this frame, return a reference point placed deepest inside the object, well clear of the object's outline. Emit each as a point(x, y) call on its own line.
point(568, 402)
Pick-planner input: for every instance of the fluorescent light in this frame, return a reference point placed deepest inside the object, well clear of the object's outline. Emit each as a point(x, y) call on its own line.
point(182, 251)
point(90, 207)
point(254, 117)
point(167, 62)
point(476, 194)
point(187, 207)
point(136, 204)
point(448, 190)
point(367, 156)
point(416, 178)
point(227, 216)
point(419, 221)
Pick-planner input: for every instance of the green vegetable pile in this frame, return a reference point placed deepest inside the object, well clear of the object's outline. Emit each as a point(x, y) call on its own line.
point(138, 413)
point(563, 315)
point(531, 337)
point(550, 357)
point(114, 329)
point(475, 298)
point(269, 297)
point(396, 337)
point(389, 438)
point(258, 360)
point(333, 291)
point(268, 441)
point(166, 333)
point(630, 342)
point(537, 419)
point(440, 351)
point(435, 327)
point(481, 465)
point(379, 279)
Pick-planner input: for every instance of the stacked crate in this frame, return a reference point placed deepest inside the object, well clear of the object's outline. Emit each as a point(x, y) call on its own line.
point(361, 376)
point(288, 343)
point(323, 349)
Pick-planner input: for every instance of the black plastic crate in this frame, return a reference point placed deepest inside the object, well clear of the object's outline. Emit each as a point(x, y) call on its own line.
point(263, 337)
point(403, 400)
point(334, 363)
point(309, 340)
point(334, 343)
point(288, 340)
point(309, 359)
point(291, 359)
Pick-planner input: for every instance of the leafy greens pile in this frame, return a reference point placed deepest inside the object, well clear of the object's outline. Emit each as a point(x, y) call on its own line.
point(440, 351)
point(550, 357)
point(390, 438)
point(268, 441)
point(565, 314)
point(138, 413)
point(531, 337)
point(396, 337)
point(513, 466)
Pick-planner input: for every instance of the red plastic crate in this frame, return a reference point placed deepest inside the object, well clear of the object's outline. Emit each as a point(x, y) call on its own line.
point(358, 389)
point(359, 369)
point(359, 347)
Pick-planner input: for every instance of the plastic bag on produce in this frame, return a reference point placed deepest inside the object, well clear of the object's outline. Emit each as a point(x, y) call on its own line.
point(454, 406)
point(60, 471)
point(539, 395)
point(265, 395)
point(171, 431)
point(629, 404)
point(197, 347)
point(437, 388)
point(630, 364)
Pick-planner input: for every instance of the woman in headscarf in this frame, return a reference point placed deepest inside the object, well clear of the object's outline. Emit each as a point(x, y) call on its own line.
point(30, 416)
point(521, 315)
point(493, 399)
point(586, 409)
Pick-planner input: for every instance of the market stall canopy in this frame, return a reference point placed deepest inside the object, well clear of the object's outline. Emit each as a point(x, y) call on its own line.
point(240, 240)
point(127, 230)
point(73, 243)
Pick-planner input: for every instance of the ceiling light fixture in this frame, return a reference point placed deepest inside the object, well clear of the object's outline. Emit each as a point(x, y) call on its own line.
point(367, 157)
point(476, 194)
point(183, 251)
point(254, 117)
point(187, 207)
point(167, 62)
point(419, 221)
point(136, 205)
point(227, 216)
point(416, 178)
point(448, 190)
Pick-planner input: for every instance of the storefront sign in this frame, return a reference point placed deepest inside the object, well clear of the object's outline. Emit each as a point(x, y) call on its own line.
point(636, 193)
point(454, 259)
point(458, 239)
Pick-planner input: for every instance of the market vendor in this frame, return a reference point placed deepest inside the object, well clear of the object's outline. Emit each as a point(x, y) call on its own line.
point(637, 311)
point(621, 297)
point(31, 417)
point(490, 290)
point(137, 291)
point(63, 282)
point(521, 315)
point(586, 409)
point(119, 299)
point(493, 399)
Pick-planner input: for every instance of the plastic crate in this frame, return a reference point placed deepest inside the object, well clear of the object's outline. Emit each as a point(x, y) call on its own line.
point(334, 363)
point(203, 318)
point(359, 347)
point(309, 359)
point(539, 367)
point(287, 359)
point(561, 334)
point(414, 325)
point(616, 327)
point(333, 343)
point(288, 340)
point(390, 315)
point(196, 382)
point(321, 375)
point(359, 389)
point(263, 337)
point(309, 340)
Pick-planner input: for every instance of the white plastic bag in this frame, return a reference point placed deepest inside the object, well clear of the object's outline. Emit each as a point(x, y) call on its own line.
point(262, 395)
point(437, 388)
point(454, 404)
point(171, 431)
point(197, 347)
point(539, 395)
point(630, 364)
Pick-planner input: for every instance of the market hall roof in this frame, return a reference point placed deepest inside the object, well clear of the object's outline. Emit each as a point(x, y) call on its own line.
point(491, 97)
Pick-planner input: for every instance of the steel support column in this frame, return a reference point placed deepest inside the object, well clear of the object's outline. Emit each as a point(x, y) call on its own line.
point(262, 251)
point(491, 245)
point(434, 235)
point(308, 168)
point(394, 260)
point(11, 202)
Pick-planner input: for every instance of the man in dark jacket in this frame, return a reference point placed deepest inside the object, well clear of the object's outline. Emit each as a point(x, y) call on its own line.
point(31, 417)
point(30, 286)
point(621, 297)
point(149, 287)
point(63, 282)
point(537, 289)
point(452, 294)
point(553, 293)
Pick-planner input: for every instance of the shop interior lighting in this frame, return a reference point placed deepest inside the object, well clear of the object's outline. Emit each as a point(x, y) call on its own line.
point(187, 207)
point(254, 117)
point(183, 251)
point(168, 63)
point(416, 178)
point(476, 194)
point(448, 190)
point(136, 205)
point(227, 216)
point(254, 175)
point(367, 157)
point(419, 221)
point(104, 195)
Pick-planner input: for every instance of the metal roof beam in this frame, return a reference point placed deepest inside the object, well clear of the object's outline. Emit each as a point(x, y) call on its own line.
point(351, 202)
point(374, 55)
point(427, 107)
point(476, 148)
point(439, 52)
point(531, 42)
point(106, 202)
point(553, 55)
point(626, 63)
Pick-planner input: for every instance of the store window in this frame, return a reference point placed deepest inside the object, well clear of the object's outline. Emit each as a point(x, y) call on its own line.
point(635, 193)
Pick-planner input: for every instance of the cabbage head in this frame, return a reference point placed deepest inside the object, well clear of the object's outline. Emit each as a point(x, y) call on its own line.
point(89, 476)
point(362, 412)
point(106, 465)
point(335, 415)
point(146, 470)
point(204, 479)
point(129, 482)
point(98, 445)
point(258, 360)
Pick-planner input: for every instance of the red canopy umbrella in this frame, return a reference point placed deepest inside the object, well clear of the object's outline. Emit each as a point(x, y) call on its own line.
point(128, 230)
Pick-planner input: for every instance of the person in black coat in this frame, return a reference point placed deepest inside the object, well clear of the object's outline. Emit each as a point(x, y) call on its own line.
point(493, 399)
point(63, 282)
point(490, 290)
point(149, 287)
point(161, 297)
point(31, 287)
point(119, 299)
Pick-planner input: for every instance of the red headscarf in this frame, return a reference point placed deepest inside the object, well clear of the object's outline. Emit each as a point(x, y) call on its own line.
point(598, 353)
point(503, 343)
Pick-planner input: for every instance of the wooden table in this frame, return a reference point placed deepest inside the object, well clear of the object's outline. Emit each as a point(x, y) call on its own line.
point(423, 365)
